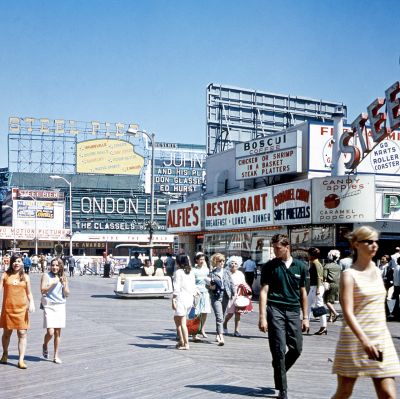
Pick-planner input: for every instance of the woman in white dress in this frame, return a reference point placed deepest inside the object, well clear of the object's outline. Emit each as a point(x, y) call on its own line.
point(54, 289)
point(201, 274)
point(182, 298)
point(237, 278)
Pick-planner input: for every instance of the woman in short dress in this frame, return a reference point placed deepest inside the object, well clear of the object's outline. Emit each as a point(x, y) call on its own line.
point(182, 298)
point(365, 346)
point(237, 278)
point(54, 289)
point(17, 301)
point(201, 273)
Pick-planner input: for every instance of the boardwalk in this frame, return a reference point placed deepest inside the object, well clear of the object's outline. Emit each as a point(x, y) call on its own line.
point(116, 348)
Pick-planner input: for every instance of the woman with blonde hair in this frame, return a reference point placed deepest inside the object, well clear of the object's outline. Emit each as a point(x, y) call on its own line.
point(221, 290)
point(17, 301)
point(365, 346)
point(54, 289)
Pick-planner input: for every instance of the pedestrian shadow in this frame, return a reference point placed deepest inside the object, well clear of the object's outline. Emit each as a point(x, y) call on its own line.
point(104, 296)
point(235, 390)
point(154, 346)
point(33, 359)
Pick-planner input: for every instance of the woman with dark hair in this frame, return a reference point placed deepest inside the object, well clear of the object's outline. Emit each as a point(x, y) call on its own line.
point(365, 347)
point(14, 314)
point(182, 298)
point(316, 293)
point(201, 273)
point(54, 289)
point(332, 277)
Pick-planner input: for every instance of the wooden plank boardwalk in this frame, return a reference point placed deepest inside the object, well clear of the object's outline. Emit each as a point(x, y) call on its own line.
point(124, 348)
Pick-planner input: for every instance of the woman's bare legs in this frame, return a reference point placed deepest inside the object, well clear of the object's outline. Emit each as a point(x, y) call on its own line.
point(344, 388)
point(385, 388)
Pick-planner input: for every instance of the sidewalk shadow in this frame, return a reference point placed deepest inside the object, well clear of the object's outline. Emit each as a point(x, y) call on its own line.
point(235, 390)
point(104, 296)
point(154, 346)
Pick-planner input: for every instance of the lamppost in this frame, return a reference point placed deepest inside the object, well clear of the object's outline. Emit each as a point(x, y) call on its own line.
point(12, 225)
point(55, 177)
point(36, 235)
point(151, 136)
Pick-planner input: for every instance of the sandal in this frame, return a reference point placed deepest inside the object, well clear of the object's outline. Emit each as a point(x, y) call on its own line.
point(45, 352)
point(184, 348)
point(22, 365)
point(204, 335)
point(4, 358)
point(57, 360)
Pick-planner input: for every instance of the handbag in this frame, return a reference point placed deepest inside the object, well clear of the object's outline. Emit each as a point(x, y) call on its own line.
point(319, 311)
point(193, 321)
point(242, 301)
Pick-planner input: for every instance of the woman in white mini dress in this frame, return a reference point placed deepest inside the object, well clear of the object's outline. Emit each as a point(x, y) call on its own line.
point(182, 298)
point(54, 289)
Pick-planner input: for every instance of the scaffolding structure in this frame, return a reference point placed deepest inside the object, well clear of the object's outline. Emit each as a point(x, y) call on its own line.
point(237, 115)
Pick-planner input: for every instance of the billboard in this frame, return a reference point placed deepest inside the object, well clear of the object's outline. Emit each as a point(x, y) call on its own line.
point(343, 199)
point(292, 203)
point(108, 156)
point(273, 155)
point(43, 214)
point(383, 159)
point(243, 210)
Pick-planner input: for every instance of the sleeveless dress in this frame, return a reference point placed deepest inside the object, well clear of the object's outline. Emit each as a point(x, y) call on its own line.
point(14, 312)
point(200, 275)
point(369, 309)
point(53, 305)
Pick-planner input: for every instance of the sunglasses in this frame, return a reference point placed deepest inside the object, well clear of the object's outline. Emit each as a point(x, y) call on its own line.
point(369, 242)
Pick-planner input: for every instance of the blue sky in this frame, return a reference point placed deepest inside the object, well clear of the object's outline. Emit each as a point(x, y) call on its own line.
point(149, 62)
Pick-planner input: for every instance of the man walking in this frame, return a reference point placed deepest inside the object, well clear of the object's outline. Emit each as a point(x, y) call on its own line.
point(250, 271)
point(282, 295)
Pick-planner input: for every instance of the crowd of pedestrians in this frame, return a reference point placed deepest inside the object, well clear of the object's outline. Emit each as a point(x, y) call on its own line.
point(292, 291)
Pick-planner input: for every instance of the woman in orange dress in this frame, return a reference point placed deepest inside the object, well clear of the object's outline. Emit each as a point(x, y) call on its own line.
point(17, 301)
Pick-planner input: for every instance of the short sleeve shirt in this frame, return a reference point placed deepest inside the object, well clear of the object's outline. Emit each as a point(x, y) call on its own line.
point(284, 283)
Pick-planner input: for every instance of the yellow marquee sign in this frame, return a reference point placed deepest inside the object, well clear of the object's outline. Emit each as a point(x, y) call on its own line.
point(107, 156)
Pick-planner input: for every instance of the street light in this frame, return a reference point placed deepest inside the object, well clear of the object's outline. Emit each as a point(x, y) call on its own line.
point(135, 132)
point(55, 177)
point(36, 235)
point(12, 225)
